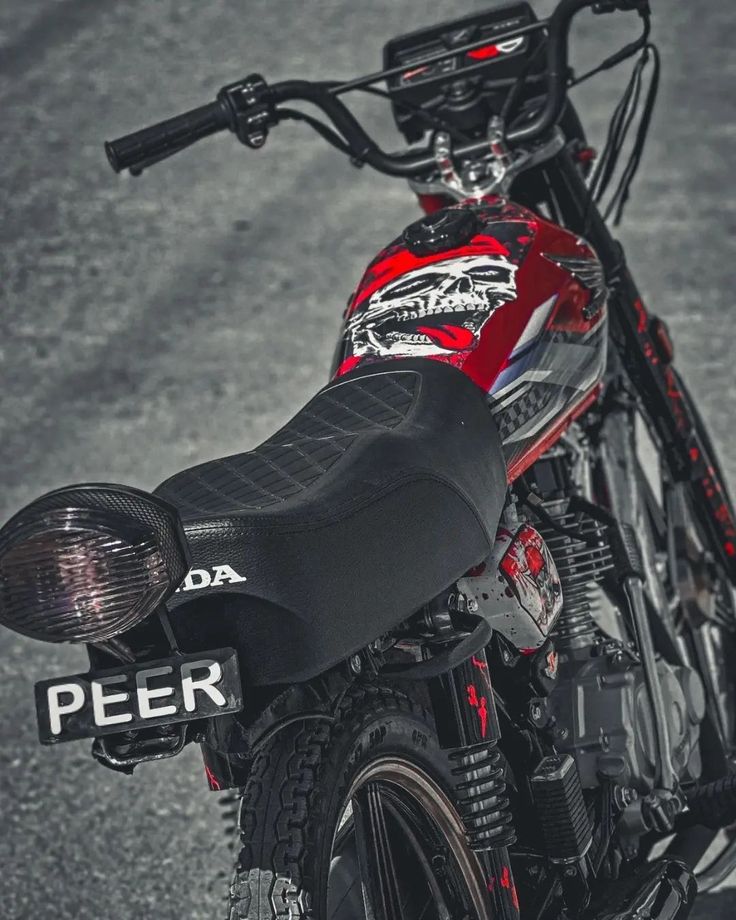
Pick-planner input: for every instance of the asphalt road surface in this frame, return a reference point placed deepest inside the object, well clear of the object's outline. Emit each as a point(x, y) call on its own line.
point(150, 324)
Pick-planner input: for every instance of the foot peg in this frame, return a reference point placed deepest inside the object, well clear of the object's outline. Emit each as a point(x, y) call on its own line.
point(664, 890)
point(712, 804)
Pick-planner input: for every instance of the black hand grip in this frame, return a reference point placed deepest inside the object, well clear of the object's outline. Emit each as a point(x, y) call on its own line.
point(167, 137)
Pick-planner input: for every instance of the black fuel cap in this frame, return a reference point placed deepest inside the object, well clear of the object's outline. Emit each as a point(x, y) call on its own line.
point(441, 230)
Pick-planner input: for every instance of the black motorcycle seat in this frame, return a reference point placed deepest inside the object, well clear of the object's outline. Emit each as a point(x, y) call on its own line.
point(381, 492)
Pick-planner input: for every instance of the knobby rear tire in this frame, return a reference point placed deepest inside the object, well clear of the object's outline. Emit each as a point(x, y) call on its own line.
point(297, 790)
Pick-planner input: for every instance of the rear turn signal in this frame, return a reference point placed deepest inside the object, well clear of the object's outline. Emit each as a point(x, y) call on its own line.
point(87, 563)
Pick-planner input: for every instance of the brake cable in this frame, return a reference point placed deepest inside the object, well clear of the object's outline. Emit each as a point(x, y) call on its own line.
point(623, 190)
point(621, 122)
point(432, 120)
point(338, 140)
point(325, 131)
point(619, 56)
point(618, 130)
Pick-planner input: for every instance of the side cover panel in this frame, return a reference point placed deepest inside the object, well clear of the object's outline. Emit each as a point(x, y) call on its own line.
point(519, 308)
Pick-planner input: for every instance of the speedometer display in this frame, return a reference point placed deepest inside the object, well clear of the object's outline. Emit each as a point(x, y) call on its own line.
point(458, 85)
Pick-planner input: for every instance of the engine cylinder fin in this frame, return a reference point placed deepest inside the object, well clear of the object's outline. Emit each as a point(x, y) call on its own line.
point(581, 562)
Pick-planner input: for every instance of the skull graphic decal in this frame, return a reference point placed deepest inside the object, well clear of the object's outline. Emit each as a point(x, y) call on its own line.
point(438, 309)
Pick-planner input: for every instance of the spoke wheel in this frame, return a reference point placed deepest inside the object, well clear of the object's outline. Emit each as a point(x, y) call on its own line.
point(400, 853)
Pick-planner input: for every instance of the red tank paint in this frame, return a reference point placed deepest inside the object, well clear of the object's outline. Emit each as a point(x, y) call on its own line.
point(431, 203)
point(519, 308)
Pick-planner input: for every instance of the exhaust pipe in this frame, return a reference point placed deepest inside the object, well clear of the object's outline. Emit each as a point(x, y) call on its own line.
point(662, 890)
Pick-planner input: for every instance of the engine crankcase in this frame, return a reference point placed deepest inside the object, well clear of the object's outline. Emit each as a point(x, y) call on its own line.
point(604, 718)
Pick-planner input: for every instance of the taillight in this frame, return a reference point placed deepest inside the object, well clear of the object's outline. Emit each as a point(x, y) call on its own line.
point(70, 573)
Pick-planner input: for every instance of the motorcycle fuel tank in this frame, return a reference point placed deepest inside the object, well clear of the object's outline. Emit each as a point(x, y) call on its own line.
point(515, 302)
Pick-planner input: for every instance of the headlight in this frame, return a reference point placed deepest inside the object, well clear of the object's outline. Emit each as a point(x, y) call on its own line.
point(87, 563)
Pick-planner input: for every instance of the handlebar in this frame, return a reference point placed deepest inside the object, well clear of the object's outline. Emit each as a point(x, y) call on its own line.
point(167, 137)
point(249, 108)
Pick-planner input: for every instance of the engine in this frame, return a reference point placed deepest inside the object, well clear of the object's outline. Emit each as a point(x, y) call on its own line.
point(600, 703)
point(604, 719)
point(552, 575)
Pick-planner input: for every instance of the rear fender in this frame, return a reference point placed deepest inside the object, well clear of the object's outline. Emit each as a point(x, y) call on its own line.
point(229, 741)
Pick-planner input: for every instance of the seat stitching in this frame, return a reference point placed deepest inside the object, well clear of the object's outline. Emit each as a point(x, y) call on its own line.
point(382, 402)
point(360, 415)
point(349, 508)
point(236, 472)
point(274, 466)
point(306, 437)
point(394, 382)
point(325, 422)
point(295, 446)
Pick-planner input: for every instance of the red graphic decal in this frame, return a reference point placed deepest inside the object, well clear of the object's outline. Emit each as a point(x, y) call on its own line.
point(212, 780)
point(642, 314)
point(509, 885)
point(392, 263)
point(348, 365)
point(477, 663)
point(480, 704)
point(484, 53)
point(476, 570)
point(650, 354)
point(519, 464)
point(586, 154)
point(452, 337)
point(659, 332)
point(730, 548)
point(535, 560)
point(470, 306)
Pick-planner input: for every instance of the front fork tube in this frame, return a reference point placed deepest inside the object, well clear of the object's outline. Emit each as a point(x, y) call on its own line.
point(468, 729)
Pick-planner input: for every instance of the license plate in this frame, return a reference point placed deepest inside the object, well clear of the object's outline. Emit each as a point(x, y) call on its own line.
point(139, 696)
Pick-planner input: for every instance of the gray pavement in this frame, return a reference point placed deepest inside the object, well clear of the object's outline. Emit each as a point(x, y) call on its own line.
point(146, 325)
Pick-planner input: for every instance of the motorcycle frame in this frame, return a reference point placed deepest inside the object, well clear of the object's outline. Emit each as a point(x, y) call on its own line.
point(643, 346)
point(640, 342)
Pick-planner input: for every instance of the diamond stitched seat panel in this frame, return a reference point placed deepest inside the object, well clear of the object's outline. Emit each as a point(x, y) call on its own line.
point(300, 453)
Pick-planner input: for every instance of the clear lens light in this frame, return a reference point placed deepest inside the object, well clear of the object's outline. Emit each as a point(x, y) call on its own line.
point(75, 576)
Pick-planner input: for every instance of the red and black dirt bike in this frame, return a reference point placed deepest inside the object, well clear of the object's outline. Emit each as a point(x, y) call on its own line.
point(461, 651)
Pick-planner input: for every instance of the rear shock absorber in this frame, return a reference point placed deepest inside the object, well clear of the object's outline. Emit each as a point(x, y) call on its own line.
point(468, 729)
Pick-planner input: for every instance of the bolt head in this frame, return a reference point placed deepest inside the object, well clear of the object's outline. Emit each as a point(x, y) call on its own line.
point(356, 665)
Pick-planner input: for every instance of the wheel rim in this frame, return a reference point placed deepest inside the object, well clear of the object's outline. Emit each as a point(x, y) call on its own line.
point(399, 851)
